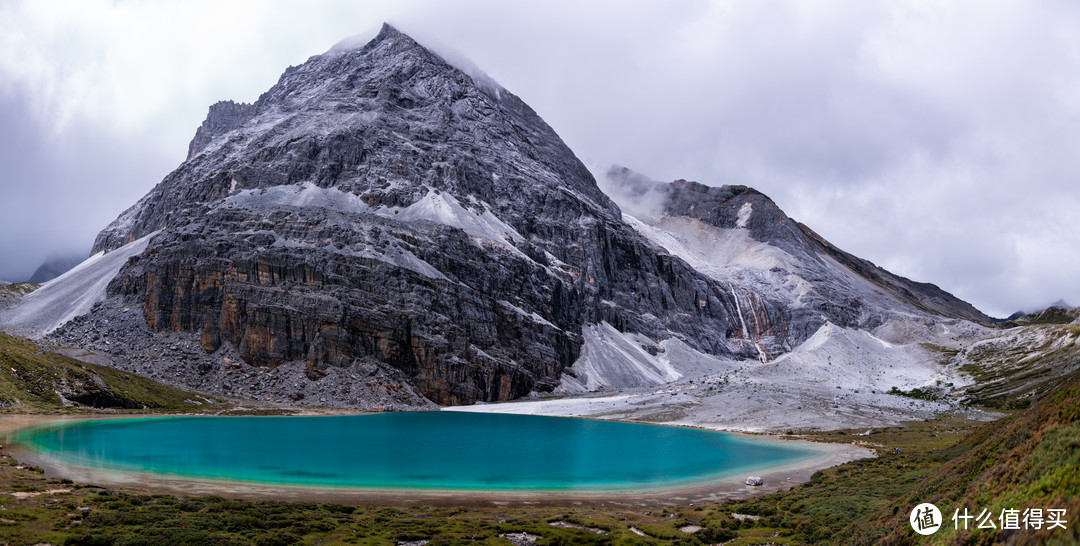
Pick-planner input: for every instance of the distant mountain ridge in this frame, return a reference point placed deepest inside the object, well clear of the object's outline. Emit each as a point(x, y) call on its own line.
point(795, 264)
point(1061, 303)
point(54, 267)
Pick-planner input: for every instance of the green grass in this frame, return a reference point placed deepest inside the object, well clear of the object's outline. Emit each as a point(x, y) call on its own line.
point(838, 497)
point(924, 393)
point(119, 517)
point(1028, 460)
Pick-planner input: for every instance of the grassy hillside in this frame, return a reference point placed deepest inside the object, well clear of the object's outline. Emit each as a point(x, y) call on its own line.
point(1028, 460)
point(35, 380)
point(841, 496)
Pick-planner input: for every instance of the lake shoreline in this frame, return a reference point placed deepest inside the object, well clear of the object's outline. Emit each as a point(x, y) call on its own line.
point(728, 486)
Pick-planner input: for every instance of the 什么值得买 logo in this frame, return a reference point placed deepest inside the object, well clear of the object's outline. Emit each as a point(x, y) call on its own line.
point(925, 519)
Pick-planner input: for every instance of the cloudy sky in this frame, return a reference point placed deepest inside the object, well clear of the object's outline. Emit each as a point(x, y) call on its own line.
point(940, 140)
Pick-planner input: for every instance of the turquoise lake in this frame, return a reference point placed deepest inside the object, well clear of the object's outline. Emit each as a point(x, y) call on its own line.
point(451, 450)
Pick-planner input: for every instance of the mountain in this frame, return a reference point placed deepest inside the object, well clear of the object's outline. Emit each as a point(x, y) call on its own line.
point(382, 228)
point(380, 203)
point(54, 267)
point(737, 234)
point(1034, 313)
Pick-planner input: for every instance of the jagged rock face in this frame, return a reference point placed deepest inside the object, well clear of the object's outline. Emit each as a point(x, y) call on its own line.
point(778, 256)
point(380, 203)
point(224, 116)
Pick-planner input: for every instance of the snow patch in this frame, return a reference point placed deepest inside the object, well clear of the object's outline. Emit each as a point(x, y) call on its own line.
point(307, 195)
point(744, 215)
point(728, 255)
point(710, 249)
point(393, 255)
point(404, 259)
point(613, 359)
point(73, 293)
point(856, 359)
point(435, 206)
point(531, 316)
point(443, 208)
point(562, 406)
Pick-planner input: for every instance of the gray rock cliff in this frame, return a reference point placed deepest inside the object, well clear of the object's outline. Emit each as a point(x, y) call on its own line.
point(223, 117)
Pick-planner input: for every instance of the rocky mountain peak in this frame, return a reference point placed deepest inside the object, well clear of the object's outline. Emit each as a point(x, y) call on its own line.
point(389, 122)
point(788, 259)
point(389, 39)
point(347, 70)
point(224, 116)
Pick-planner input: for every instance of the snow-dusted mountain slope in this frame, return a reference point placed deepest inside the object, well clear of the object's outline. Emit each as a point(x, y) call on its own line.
point(71, 294)
point(611, 359)
point(864, 329)
point(1032, 356)
point(736, 234)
